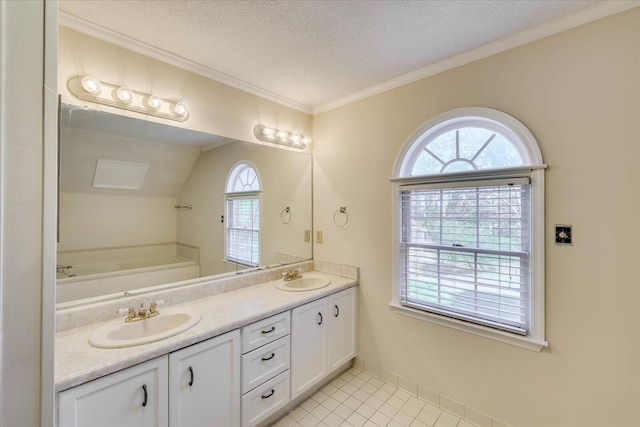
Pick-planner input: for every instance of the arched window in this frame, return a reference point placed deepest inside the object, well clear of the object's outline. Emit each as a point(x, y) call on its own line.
point(242, 218)
point(469, 190)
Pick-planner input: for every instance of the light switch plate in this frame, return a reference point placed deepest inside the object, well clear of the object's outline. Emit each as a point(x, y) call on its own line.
point(563, 234)
point(307, 235)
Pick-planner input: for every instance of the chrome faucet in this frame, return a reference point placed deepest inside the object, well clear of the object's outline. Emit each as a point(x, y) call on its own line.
point(292, 275)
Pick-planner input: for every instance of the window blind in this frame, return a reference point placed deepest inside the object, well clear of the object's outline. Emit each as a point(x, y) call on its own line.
point(465, 249)
point(243, 230)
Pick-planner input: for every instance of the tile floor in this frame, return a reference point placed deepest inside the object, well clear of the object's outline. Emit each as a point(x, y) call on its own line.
point(356, 399)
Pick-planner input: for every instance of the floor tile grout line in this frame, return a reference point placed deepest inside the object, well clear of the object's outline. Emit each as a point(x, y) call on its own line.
point(345, 379)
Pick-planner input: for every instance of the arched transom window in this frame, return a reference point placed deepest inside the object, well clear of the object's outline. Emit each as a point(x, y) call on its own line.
point(242, 218)
point(242, 178)
point(469, 250)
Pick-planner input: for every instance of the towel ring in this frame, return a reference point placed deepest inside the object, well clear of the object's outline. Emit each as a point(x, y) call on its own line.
point(341, 217)
point(285, 215)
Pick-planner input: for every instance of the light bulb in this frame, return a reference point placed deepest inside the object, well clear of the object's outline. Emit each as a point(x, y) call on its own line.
point(124, 95)
point(154, 102)
point(268, 132)
point(306, 141)
point(282, 135)
point(295, 138)
point(181, 109)
point(91, 84)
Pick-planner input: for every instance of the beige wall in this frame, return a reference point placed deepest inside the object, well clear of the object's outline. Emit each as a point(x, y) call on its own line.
point(578, 93)
point(89, 221)
point(286, 181)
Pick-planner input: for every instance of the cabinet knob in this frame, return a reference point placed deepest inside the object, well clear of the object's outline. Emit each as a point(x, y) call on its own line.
point(191, 373)
point(320, 322)
point(273, 328)
point(337, 311)
point(269, 395)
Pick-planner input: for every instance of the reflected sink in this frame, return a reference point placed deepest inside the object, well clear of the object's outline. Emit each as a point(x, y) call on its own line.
point(167, 324)
point(308, 282)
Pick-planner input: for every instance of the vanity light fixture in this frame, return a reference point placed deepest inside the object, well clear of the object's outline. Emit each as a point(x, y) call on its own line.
point(154, 102)
point(181, 109)
point(281, 137)
point(91, 84)
point(89, 88)
point(125, 95)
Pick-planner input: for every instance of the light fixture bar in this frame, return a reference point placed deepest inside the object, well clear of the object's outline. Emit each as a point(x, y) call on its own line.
point(281, 137)
point(89, 88)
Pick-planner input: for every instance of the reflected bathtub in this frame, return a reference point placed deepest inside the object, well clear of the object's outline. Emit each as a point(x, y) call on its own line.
point(94, 280)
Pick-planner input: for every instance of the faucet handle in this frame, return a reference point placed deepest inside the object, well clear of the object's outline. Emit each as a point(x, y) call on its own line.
point(130, 312)
point(154, 305)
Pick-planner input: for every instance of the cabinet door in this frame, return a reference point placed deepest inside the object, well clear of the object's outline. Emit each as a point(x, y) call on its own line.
point(308, 345)
point(342, 327)
point(136, 396)
point(204, 383)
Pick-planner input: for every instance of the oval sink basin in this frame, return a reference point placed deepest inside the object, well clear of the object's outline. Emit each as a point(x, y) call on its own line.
point(308, 282)
point(120, 334)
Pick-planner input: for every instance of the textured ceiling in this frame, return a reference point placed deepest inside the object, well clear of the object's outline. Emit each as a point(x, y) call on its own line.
point(314, 52)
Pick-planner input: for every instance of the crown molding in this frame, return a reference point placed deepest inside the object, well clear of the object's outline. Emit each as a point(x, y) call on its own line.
point(602, 10)
point(93, 30)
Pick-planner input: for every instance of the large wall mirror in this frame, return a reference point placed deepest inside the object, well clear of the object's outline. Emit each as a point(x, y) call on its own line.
point(144, 205)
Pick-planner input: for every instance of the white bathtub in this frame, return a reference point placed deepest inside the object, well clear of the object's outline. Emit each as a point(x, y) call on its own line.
point(94, 280)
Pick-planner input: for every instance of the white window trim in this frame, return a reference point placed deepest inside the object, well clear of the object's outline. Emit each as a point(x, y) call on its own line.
point(535, 341)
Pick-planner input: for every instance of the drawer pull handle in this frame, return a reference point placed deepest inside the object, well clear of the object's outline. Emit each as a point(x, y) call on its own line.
point(264, 359)
point(144, 389)
point(337, 311)
point(320, 322)
point(273, 328)
point(191, 372)
point(269, 395)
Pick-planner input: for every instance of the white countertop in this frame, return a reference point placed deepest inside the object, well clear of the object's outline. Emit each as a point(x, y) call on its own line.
point(77, 362)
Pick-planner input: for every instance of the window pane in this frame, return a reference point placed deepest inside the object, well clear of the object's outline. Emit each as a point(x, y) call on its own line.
point(466, 252)
point(426, 164)
point(471, 140)
point(444, 146)
point(243, 230)
point(499, 153)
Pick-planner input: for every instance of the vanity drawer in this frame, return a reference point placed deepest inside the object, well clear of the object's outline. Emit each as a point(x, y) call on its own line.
point(264, 363)
point(263, 401)
point(265, 331)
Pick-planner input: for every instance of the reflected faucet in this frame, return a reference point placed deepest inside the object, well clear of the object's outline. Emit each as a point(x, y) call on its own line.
point(62, 268)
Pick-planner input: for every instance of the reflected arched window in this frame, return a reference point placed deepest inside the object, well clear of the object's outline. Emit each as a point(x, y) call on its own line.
point(470, 244)
point(242, 218)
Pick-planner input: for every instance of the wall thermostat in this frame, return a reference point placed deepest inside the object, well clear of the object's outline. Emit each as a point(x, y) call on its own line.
point(563, 234)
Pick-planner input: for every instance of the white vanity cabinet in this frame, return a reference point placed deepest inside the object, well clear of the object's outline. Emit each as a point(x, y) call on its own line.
point(136, 396)
point(265, 368)
point(196, 386)
point(204, 383)
point(244, 377)
point(342, 328)
point(323, 338)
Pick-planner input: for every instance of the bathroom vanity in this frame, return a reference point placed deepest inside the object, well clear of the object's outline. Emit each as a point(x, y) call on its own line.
point(256, 352)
